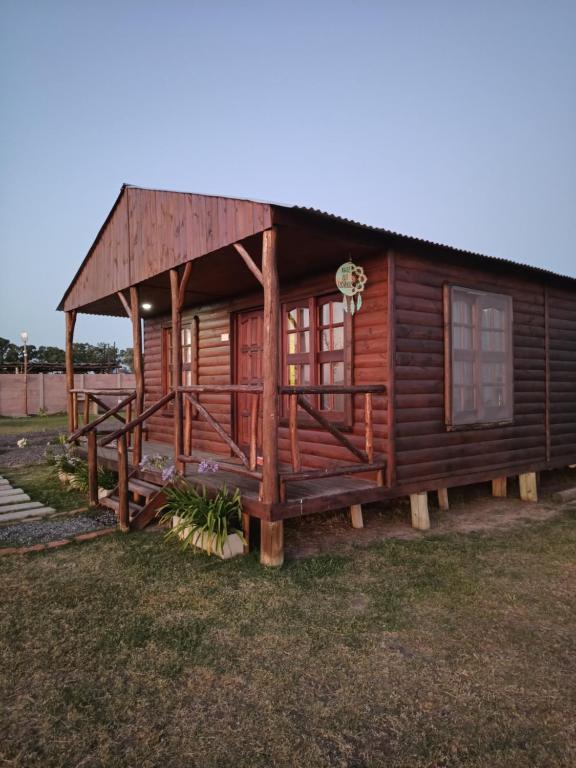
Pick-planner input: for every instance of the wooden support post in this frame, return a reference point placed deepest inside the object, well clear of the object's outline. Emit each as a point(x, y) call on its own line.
point(123, 499)
point(253, 457)
point(443, 501)
point(294, 444)
point(70, 323)
point(93, 468)
point(138, 364)
point(419, 508)
point(271, 542)
point(246, 531)
point(369, 427)
point(528, 486)
point(75, 410)
point(272, 533)
point(177, 365)
point(187, 427)
point(500, 487)
point(356, 518)
point(128, 420)
point(86, 408)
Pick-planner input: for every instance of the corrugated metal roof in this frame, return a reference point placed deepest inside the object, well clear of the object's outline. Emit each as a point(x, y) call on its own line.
point(413, 239)
point(380, 230)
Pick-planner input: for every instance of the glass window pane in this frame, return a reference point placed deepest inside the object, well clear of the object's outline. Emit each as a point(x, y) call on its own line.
point(338, 338)
point(292, 319)
point(292, 343)
point(462, 337)
point(325, 313)
point(187, 355)
point(492, 373)
point(325, 340)
point(339, 403)
point(463, 373)
point(325, 370)
point(304, 341)
point(493, 397)
point(292, 375)
point(304, 374)
point(337, 312)
point(338, 373)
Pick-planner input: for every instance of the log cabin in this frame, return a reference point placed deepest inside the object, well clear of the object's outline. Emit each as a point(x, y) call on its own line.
point(448, 368)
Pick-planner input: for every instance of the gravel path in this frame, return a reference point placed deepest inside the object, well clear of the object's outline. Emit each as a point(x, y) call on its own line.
point(51, 529)
point(32, 453)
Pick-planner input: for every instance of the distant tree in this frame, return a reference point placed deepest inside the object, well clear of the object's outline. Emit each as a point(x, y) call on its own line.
point(127, 358)
point(52, 355)
point(9, 352)
point(84, 353)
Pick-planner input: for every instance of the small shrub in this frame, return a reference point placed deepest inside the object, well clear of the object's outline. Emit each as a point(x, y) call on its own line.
point(61, 456)
point(106, 478)
point(212, 519)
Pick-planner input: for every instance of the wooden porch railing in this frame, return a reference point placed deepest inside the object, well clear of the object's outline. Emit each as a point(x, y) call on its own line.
point(121, 435)
point(90, 430)
point(368, 462)
point(365, 459)
point(94, 396)
point(189, 395)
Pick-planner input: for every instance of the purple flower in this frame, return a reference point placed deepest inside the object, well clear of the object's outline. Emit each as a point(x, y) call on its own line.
point(168, 473)
point(207, 466)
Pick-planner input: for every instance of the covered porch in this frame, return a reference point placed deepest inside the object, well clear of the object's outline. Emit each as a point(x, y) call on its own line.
point(246, 252)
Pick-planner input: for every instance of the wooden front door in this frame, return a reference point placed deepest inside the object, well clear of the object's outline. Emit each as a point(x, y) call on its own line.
point(249, 335)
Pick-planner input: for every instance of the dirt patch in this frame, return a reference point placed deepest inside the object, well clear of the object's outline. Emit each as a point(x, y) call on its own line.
point(472, 509)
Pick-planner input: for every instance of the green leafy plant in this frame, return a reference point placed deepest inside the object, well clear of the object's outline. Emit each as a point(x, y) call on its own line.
point(106, 478)
point(61, 455)
point(201, 518)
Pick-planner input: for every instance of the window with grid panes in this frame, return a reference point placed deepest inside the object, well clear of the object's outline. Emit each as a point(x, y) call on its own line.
point(315, 338)
point(480, 357)
point(186, 338)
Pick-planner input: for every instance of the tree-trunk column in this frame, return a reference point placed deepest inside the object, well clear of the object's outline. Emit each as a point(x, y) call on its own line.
point(138, 365)
point(177, 364)
point(70, 323)
point(272, 533)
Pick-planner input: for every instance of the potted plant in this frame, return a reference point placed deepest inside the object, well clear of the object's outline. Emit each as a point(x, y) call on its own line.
point(210, 523)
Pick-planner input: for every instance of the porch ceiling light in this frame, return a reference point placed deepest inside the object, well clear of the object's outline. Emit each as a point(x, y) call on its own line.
point(146, 305)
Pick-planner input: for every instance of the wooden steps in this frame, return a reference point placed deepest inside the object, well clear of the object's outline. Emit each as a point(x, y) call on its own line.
point(17, 505)
point(140, 514)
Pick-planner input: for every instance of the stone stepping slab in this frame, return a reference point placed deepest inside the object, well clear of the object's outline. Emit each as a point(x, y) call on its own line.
point(17, 505)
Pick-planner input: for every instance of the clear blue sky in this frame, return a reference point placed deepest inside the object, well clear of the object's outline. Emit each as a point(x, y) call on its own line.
point(454, 121)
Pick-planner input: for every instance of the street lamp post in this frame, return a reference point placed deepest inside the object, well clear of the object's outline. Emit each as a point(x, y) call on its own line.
point(24, 337)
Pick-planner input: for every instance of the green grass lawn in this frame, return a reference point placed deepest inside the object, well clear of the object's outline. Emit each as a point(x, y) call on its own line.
point(19, 426)
point(40, 482)
point(437, 652)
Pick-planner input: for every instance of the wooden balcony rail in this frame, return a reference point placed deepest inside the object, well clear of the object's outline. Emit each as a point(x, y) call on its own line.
point(90, 429)
point(334, 389)
point(192, 405)
point(92, 395)
point(89, 426)
point(138, 420)
point(296, 399)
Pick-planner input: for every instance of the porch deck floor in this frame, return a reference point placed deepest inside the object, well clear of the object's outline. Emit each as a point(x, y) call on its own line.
point(298, 493)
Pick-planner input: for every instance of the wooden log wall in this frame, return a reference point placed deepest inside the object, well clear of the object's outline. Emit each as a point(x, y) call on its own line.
point(425, 450)
point(215, 366)
point(562, 380)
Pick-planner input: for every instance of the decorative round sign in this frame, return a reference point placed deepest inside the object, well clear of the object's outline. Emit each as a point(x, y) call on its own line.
point(351, 281)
